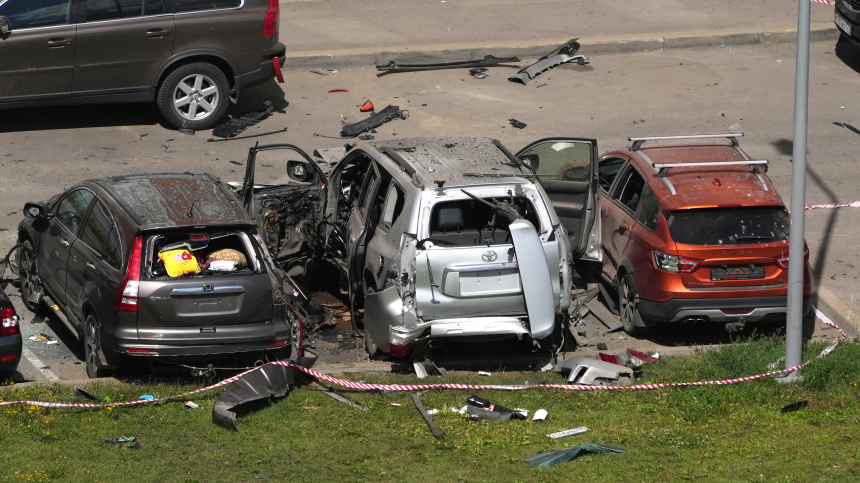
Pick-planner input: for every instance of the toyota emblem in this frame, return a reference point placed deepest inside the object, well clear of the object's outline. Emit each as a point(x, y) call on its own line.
point(489, 256)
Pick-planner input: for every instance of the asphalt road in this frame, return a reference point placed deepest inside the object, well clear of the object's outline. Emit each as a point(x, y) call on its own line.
point(715, 90)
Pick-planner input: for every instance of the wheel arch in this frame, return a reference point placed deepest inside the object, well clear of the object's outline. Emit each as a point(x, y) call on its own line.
point(219, 60)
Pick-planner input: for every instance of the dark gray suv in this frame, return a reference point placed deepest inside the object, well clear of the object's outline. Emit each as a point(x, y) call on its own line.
point(189, 56)
point(157, 265)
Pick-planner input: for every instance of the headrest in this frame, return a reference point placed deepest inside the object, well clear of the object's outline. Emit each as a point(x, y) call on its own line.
point(450, 219)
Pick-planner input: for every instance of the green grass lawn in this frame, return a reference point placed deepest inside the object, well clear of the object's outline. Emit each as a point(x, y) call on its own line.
point(714, 433)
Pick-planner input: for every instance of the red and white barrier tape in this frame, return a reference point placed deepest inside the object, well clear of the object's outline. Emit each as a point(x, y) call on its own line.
point(826, 2)
point(846, 204)
point(421, 387)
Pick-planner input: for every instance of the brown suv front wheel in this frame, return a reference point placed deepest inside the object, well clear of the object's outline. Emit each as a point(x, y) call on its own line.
point(194, 96)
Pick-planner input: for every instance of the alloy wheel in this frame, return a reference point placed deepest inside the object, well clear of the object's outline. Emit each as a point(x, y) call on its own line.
point(196, 97)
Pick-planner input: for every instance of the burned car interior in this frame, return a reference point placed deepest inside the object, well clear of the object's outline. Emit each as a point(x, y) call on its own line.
point(469, 223)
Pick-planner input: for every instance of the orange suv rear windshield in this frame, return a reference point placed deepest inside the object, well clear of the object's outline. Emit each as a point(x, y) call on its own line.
point(729, 226)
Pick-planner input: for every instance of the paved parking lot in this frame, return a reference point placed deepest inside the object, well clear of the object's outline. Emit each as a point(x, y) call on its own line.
point(747, 89)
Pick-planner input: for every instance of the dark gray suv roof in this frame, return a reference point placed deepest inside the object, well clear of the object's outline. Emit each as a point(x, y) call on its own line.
point(457, 161)
point(174, 199)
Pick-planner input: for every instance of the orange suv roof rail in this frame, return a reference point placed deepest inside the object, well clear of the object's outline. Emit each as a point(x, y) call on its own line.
point(637, 142)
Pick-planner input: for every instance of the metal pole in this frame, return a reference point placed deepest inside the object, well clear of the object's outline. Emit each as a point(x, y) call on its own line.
point(794, 322)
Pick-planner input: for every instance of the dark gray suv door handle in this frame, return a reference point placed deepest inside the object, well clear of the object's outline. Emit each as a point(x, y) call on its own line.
point(65, 243)
point(157, 33)
point(91, 265)
point(59, 42)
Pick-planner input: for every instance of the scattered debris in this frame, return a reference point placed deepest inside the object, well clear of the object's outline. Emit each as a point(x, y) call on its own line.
point(593, 372)
point(552, 458)
point(483, 408)
point(147, 397)
point(485, 62)
point(375, 120)
point(567, 432)
point(416, 399)
point(212, 140)
point(366, 107)
point(607, 318)
point(561, 55)
point(192, 405)
point(319, 71)
point(366, 137)
point(540, 85)
point(602, 346)
point(540, 415)
point(396, 405)
point(126, 439)
point(52, 342)
point(484, 373)
point(433, 412)
point(632, 358)
point(425, 367)
point(188, 132)
point(847, 126)
point(517, 124)
point(270, 380)
point(338, 396)
point(238, 124)
point(337, 90)
point(85, 395)
point(478, 72)
point(795, 406)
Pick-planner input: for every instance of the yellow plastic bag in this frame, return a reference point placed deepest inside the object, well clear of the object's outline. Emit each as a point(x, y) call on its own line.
point(179, 262)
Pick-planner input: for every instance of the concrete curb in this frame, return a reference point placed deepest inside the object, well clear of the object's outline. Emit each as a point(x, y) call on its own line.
point(840, 313)
point(369, 56)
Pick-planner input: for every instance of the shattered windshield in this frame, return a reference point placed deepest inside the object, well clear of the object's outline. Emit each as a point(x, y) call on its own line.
point(734, 226)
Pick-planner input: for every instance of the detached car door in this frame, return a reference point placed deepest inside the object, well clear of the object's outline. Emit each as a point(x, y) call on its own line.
point(567, 171)
point(38, 52)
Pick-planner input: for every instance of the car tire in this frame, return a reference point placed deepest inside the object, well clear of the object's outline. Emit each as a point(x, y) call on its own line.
point(194, 96)
point(93, 351)
point(631, 320)
point(28, 276)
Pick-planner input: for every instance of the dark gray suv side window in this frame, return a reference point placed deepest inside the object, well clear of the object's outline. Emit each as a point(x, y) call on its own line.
point(71, 211)
point(113, 9)
point(194, 5)
point(97, 228)
point(153, 7)
point(113, 249)
point(35, 13)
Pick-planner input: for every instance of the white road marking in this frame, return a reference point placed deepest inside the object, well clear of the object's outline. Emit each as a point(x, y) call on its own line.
point(38, 364)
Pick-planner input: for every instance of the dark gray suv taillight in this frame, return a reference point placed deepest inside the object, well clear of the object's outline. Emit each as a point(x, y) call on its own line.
point(270, 24)
point(126, 297)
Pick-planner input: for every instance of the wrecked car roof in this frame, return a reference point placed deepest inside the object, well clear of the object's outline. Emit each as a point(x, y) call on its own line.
point(456, 161)
point(174, 199)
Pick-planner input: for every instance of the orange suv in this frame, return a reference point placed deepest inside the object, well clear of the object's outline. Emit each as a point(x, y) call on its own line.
point(694, 232)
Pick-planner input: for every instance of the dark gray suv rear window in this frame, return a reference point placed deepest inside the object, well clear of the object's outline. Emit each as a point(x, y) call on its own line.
point(193, 5)
point(732, 226)
point(35, 13)
point(113, 9)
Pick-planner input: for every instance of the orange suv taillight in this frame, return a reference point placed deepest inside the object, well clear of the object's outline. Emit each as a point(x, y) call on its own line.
point(10, 322)
point(126, 297)
point(270, 24)
point(782, 262)
point(674, 263)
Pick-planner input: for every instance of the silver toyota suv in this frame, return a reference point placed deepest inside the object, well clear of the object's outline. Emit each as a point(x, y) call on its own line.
point(438, 237)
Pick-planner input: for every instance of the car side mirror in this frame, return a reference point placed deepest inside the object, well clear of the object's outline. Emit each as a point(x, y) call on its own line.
point(301, 171)
point(5, 25)
point(34, 209)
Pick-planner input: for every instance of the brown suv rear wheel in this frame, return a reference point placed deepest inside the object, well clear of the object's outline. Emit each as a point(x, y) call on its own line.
point(194, 96)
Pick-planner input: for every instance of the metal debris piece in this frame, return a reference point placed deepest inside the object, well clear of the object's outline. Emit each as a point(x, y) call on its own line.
point(540, 415)
point(795, 406)
point(366, 107)
point(483, 408)
point(593, 372)
point(847, 126)
point(338, 396)
point(567, 432)
point(375, 120)
point(85, 395)
point(319, 71)
point(416, 399)
point(478, 72)
point(238, 124)
point(192, 405)
point(189, 132)
point(607, 318)
point(517, 124)
point(552, 458)
point(366, 137)
point(271, 380)
point(213, 140)
point(561, 55)
point(485, 62)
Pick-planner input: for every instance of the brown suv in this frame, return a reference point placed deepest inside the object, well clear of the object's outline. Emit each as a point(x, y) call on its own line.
point(189, 56)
